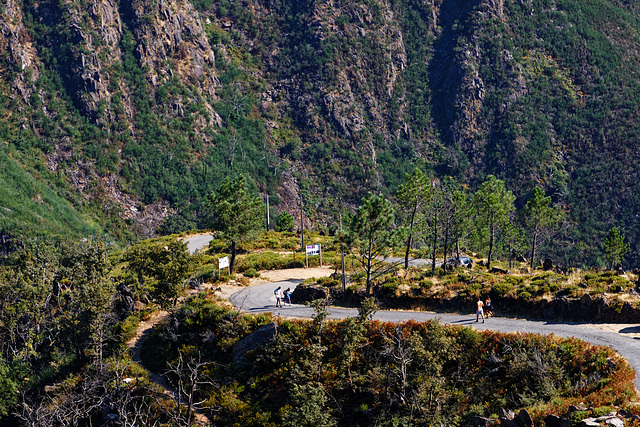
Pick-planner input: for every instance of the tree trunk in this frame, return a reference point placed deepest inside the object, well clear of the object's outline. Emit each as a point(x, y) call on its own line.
point(434, 243)
point(410, 238)
point(446, 245)
point(406, 255)
point(533, 250)
point(369, 254)
point(490, 249)
point(232, 263)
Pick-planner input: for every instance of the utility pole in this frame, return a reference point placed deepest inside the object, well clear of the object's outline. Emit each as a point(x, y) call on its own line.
point(268, 222)
point(304, 250)
point(344, 279)
point(301, 225)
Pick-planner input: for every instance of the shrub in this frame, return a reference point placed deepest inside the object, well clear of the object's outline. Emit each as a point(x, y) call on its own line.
point(524, 295)
point(251, 272)
point(284, 222)
point(463, 277)
point(577, 416)
point(323, 280)
point(289, 245)
point(264, 261)
point(389, 287)
point(426, 284)
point(542, 277)
point(451, 281)
point(602, 410)
point(474, 287)
point(272, 243)
point(218, 245)
point(126, 329)
point(208, 273)
point(515, 280)
point(591, 276)
point(501, 289)
point(353, 289)
point(328, 282)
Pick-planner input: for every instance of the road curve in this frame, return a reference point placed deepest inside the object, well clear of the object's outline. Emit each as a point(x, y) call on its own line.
point(197, 242)
point(259, 299)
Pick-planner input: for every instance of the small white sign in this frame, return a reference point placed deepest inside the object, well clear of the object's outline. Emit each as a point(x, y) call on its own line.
point(223, 262)
point(313, 249)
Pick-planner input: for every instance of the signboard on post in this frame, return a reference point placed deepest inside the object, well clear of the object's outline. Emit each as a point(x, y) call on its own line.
point(222, 263)
point(312, 250)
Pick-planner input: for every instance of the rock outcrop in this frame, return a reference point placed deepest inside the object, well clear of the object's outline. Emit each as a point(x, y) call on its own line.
point(260, 337)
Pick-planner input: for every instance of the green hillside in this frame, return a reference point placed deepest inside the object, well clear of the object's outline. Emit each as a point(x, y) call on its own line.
point(153, 103)
point(34, 209)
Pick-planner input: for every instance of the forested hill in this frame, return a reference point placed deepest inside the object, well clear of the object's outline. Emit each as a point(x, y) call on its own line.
point(133, 111)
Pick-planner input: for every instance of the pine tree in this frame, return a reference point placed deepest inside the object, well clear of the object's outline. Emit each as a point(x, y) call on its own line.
point(237, 214)
point(614, 247)
point(493, 205)
point(413, 195)
point(372, 234)
point(539, 218)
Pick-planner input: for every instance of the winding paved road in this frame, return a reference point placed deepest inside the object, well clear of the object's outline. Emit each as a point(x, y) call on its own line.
point(197, 242)
point(259, 299)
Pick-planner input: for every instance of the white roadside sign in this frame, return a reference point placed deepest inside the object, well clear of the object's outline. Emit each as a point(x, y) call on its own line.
point(313, 249)
point(223, 262)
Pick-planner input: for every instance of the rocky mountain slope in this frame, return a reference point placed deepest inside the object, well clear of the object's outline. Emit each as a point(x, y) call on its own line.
point(134, 111)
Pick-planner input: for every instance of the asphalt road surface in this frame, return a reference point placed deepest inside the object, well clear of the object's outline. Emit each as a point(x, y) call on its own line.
point(260, 299)
point(196, 243)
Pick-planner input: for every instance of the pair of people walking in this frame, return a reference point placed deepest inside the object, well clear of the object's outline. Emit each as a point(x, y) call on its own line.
point(482, 307)
point(282, 297)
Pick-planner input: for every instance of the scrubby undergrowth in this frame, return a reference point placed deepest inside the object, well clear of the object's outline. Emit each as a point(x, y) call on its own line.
point(360, 372)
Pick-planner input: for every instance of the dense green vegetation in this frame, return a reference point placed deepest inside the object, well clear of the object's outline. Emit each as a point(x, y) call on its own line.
point(29, 205)
point(555, 110)
point(67, 308)
point(330, 103)
point(358, 372)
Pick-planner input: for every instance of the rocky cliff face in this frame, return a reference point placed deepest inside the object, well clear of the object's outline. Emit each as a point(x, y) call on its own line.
point(172, 43)
point(151, 103)
point(21, 59)
point(86, 41)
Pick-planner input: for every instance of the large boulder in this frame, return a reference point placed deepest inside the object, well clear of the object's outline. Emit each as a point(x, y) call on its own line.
point(257, 339)
point(506, 418)
point(306, 293)
point(481, 421)
point(523, 418)
point(589, 422)
point(552, 420)
point(614, 421)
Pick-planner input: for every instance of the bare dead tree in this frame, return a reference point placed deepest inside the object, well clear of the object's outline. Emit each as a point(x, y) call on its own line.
point(400, 356)
point(187, 378)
